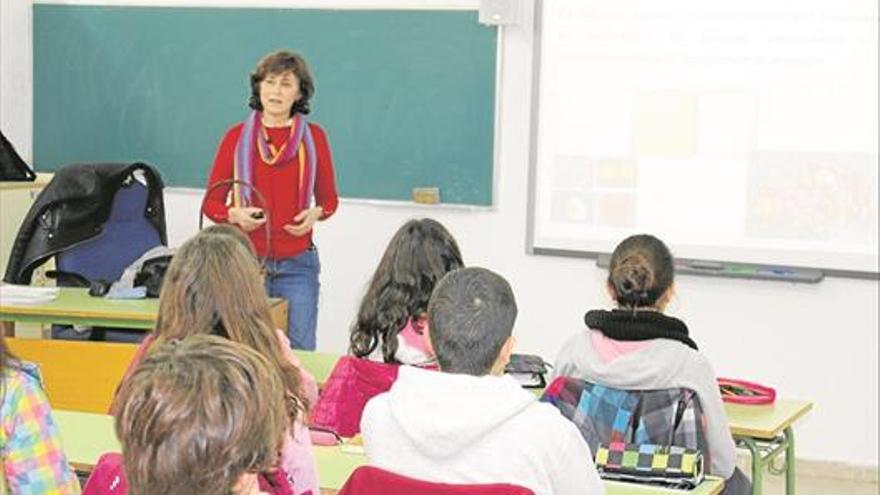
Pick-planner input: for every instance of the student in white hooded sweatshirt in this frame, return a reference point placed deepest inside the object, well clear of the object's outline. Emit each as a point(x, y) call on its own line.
point(468, 423)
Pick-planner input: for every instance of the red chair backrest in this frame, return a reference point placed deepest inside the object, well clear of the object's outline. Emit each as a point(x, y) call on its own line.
point(369, 480)
point(351, 384)
point(108, 478)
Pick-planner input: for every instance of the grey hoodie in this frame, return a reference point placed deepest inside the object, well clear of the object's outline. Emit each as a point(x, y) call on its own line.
point(464, 429)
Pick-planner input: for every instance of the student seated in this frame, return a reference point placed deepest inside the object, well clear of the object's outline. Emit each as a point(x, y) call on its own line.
point(391, 319)
point(467, 423)
point(198, 415)
point(32, 460)
point(213, 285)
point(637, 347)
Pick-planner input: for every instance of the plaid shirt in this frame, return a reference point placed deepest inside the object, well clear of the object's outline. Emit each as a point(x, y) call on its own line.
point(30, 443)
point(606, 415)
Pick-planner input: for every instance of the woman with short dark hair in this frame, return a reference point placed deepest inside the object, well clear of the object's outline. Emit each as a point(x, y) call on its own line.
point(285, 159)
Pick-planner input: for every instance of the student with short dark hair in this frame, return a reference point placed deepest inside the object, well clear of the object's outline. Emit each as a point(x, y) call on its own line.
point(638, 347)
point(468, 423)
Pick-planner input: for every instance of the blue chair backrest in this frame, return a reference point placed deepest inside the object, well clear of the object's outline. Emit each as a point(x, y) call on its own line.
point(125, 236)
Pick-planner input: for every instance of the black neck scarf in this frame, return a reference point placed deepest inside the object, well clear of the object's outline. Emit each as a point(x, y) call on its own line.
point(624, 324)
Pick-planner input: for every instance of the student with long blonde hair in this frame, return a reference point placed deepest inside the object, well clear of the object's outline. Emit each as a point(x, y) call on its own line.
point(214, 285)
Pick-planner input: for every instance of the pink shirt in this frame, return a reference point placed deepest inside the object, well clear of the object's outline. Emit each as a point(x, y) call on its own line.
point(610, 349)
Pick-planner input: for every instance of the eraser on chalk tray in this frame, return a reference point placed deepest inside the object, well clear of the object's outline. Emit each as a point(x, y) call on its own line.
point(426, 195)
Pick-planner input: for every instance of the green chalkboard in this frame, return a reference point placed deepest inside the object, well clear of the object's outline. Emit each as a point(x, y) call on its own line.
point(407, 97)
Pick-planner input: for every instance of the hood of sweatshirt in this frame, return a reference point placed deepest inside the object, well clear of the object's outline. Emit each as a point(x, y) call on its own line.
point(443, 413)
point(662, 363)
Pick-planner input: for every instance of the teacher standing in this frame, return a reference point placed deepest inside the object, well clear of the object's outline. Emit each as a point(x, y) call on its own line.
point(287, 160)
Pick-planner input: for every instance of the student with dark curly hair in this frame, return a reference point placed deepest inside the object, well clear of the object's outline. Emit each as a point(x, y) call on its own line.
point(391, 319)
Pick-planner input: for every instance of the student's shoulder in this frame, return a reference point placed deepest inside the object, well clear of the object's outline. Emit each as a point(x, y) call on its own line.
point(687, 367)
point(576, 350)
point(376, 408)
point(23, 374)
point(679, 350)
point(550, 428)
point(682, 353)
point(577, 343)
point(23, 384)
point(376, 420)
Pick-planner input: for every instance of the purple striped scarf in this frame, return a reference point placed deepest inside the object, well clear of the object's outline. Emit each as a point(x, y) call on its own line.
point(300, 146)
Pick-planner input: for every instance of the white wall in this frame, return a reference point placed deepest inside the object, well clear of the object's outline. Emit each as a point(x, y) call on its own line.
point(16, 75)
point(816, 342)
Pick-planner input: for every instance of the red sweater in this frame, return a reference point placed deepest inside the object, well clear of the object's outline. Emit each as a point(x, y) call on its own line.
point(279, 184)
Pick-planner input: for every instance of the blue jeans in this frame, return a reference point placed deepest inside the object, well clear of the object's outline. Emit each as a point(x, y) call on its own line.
point(296, 280)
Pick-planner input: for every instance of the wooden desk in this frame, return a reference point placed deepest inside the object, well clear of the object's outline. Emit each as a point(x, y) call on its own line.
point(319, 364)
point(87, 436)
point(75, 306)
point(78, 375)
point(74, 383)
point(766, 431)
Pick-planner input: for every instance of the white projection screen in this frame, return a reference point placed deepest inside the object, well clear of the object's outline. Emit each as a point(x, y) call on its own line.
point(736, 131)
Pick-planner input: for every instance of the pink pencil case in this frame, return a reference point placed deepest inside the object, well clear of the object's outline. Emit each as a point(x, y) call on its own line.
point(743, 392)
point(324, 436)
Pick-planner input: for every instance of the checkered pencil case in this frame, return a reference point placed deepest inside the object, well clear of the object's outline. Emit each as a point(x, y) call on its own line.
point(648, 463)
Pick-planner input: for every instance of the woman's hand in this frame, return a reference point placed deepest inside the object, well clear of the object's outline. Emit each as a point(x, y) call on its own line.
point(247, 217)
point(304, 221)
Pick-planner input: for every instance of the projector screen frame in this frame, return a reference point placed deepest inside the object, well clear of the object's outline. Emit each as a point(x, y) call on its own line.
point(687, 266)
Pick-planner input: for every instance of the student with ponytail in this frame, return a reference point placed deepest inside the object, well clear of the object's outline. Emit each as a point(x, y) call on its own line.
point(637, 347)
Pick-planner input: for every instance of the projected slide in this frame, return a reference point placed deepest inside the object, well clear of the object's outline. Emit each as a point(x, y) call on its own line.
point(741, 131)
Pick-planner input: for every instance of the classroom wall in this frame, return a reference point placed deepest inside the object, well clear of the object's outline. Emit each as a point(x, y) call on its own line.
point(816, 342)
